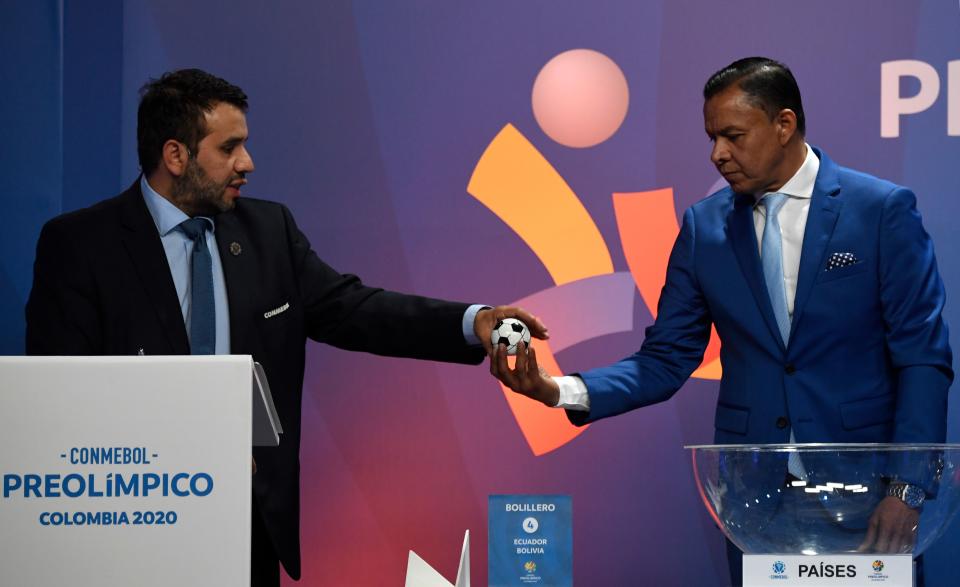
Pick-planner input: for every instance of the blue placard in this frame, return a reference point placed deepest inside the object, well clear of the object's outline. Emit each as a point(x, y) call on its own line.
point(530, 541)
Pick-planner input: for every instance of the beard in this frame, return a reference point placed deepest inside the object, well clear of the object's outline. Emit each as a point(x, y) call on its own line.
point(198, 195)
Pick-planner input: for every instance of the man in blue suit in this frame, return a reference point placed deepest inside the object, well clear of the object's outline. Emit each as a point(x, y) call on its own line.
point(823, 287)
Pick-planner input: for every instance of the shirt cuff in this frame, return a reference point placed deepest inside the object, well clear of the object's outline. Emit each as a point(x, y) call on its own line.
point(573, 394)
point(469, 317)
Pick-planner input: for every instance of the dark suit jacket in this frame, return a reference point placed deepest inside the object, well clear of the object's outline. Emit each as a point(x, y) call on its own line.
point(868, 358)
point(102, 286)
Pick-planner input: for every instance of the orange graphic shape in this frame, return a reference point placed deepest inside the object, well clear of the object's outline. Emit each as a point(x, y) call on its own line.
point(520, 186)
point(545, 429)
point(648, 227)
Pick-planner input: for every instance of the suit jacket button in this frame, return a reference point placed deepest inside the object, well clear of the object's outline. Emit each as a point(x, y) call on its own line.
point(789, 369)
point(782, 422)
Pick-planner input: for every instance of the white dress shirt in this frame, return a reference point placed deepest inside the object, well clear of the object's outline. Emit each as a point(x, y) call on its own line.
point(793, 222)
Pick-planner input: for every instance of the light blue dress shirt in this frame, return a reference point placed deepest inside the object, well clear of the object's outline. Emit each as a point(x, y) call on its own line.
point(178, 248)
point(468, 318)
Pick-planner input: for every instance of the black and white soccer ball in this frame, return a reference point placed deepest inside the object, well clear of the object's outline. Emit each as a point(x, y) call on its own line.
point(508, 332)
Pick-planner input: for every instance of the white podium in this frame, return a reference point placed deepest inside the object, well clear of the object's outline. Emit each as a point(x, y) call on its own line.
point(118, 471)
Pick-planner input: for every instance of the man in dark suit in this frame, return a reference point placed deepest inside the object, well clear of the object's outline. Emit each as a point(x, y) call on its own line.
point(180, 264)
point(823, 288)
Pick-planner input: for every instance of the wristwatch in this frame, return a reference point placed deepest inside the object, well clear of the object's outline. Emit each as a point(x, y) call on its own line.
point(911, 495)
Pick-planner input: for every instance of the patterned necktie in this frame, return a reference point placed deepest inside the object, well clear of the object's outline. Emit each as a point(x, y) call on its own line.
point(203, 317)
point(771, 257)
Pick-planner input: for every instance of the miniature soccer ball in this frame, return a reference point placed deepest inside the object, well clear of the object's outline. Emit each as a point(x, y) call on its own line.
point(508, 332)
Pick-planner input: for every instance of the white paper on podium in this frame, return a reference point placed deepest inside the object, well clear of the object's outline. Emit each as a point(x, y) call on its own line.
point(463, 571)
point(421, 574)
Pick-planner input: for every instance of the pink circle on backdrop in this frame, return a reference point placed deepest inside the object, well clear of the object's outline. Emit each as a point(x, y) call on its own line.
point(580, 98)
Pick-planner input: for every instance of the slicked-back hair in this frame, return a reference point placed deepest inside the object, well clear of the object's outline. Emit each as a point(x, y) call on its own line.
point(174, 106)
point(768, 84)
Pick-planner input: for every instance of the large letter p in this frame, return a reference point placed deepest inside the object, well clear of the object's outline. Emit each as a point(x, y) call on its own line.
point(892, 104)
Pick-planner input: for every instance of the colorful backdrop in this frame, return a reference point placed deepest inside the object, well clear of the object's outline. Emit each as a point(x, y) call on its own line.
point(404, 137)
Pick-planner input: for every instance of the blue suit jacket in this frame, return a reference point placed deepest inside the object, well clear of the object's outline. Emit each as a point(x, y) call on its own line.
point(868, 358)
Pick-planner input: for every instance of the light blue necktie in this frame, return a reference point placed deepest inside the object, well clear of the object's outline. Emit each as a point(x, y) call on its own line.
point(203, 312)
point(771, 257)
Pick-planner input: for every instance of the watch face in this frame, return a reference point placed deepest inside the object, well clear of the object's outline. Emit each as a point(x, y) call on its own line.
point(913, 496)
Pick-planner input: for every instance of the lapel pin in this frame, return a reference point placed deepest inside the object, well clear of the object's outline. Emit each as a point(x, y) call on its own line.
point(235, 249)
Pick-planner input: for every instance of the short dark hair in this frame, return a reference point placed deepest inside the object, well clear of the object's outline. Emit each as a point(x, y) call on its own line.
point(173, 107)
point(769, 84)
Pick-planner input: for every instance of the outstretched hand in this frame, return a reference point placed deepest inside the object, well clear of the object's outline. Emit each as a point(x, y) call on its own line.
point(486, 319)
point(892, 528)
point(526, 378)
